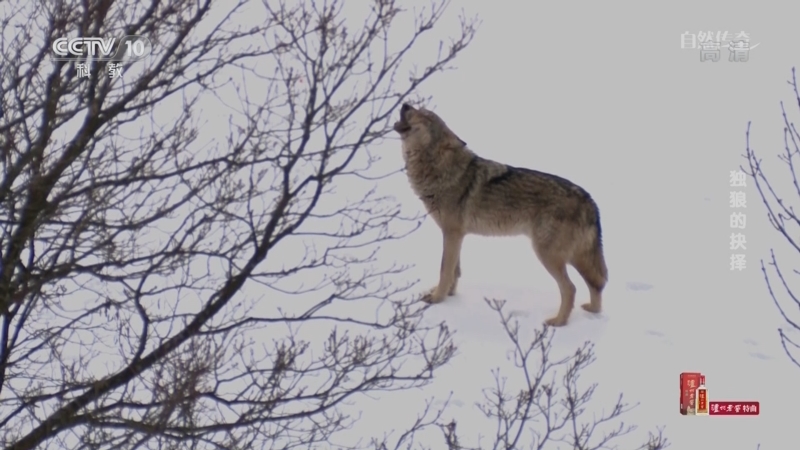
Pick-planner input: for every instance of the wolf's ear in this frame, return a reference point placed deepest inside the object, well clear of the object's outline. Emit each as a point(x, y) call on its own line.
point(453, 140)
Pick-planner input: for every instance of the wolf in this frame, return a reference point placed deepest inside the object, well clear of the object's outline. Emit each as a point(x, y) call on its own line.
point(467, 194)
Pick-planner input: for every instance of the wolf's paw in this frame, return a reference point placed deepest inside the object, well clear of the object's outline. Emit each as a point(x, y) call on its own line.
point(556, 321)
point(594, 309)
point(452, 290)
point(432, 296)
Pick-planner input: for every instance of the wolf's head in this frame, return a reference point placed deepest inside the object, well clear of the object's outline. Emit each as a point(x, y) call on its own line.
point(423, 127)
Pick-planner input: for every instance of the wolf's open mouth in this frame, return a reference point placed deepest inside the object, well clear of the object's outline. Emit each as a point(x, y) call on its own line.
point(401, 126)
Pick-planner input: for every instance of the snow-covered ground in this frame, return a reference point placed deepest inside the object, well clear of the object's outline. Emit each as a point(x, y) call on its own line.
point(652, 329)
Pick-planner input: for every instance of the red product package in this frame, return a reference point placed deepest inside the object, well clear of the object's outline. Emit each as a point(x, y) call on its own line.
point(689, 383)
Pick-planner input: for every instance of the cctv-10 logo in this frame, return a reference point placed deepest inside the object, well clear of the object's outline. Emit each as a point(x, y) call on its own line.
point(125, 49)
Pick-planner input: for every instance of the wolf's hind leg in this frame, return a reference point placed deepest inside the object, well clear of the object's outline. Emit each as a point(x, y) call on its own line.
point(591, 267)
point(556, 266)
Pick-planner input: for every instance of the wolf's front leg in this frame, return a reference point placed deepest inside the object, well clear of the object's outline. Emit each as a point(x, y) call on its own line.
point(455, 281)
point(447, 273)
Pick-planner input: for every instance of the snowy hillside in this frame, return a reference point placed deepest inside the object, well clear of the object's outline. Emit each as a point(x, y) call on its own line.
point(646, 336)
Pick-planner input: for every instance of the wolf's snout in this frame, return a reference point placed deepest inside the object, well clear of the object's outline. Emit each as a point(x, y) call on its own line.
point(401, 126)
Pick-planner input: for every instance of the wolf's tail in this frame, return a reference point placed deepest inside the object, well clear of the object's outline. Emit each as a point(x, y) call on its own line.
point(595, 270)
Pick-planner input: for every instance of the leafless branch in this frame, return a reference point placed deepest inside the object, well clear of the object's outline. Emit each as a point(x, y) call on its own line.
point(551, 406)
point(781, 214)
point(166, 234)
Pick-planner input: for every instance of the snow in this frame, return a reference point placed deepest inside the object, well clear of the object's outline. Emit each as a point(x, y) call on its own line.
point(672, 304)
point(646, 336)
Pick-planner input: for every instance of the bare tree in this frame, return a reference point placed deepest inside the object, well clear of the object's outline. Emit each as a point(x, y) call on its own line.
point(144, 256)
point(780, 208)
point(551, 408)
